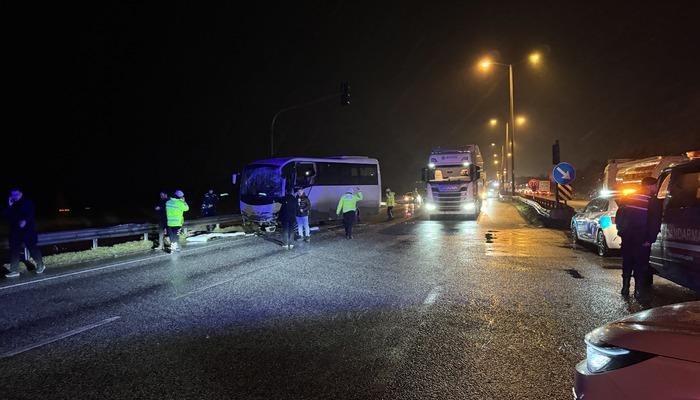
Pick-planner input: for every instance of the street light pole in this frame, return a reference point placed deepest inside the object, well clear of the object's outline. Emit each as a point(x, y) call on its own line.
point(512, 130)
point(294, 107)
point(504, 157)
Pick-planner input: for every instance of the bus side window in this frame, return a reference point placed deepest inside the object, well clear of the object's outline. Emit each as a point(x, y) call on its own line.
point(305, 174)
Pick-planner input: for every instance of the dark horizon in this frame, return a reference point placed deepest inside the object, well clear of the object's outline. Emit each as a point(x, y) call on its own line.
point(132, 99)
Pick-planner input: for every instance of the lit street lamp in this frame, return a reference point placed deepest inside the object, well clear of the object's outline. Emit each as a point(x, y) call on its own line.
point(485, 64)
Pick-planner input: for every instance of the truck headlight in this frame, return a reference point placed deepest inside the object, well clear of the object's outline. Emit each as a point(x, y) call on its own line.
point(469, 207)
point(430, 207)
point(602, 359)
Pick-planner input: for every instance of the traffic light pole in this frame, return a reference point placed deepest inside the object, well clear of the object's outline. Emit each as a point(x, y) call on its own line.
point(294, 107)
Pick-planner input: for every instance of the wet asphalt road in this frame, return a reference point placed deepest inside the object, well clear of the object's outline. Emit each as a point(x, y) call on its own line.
point(411, 309)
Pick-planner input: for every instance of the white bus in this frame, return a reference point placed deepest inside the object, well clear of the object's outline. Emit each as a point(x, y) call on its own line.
point(325, 180)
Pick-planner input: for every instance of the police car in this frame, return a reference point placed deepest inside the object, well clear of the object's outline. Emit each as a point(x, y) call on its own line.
point(596, 224)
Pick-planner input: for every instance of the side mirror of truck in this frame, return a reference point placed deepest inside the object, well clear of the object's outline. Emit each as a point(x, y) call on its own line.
point(424, 175)
point(474, 172)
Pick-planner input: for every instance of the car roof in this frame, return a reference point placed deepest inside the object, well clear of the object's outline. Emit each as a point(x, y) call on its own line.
point(670, 331)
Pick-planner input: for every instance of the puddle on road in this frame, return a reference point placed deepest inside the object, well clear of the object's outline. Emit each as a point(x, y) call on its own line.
point(574, 273)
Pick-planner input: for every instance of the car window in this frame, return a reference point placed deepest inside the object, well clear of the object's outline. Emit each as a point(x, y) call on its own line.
point(684, 190)
point(592, 206)
point(663, 188)
point(602, 205)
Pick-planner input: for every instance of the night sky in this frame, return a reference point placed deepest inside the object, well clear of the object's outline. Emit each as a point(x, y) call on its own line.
point(110, 102)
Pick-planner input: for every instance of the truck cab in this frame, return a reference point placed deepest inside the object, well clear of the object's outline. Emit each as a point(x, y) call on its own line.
point(454, 182)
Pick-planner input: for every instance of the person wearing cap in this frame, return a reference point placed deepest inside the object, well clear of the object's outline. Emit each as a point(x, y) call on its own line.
point(638, 221)
point(347, 207)
point(175, 209)
point(390, 203)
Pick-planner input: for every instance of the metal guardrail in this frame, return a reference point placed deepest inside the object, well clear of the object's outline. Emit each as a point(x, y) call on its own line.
point(544, 202)
point(536, 206)
point(95, 234)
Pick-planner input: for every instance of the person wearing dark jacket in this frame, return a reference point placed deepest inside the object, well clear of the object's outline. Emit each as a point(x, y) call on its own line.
point(211, 199)
point(287, 216)
point(638, 221)
point(20, 214)
point(303, 210)
point(162, 217)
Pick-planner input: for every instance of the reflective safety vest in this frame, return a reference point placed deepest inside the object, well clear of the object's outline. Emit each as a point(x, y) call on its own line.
point(390, 199)
point(348, 202)
point(174, 209)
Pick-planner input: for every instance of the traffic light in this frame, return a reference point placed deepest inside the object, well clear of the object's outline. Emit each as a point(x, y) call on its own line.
point(344, 93)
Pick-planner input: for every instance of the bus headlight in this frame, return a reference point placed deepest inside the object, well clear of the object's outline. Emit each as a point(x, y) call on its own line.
point(469, 207)
point(430, 207)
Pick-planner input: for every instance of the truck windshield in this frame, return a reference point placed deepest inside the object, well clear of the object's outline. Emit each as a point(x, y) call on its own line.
point(451, 173)
point(261, 181)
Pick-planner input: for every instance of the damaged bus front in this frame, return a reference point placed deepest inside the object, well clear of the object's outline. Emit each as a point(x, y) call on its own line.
point(264, 184)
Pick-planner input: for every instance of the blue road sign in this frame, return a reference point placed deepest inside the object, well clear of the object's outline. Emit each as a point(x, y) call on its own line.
point(564, 173)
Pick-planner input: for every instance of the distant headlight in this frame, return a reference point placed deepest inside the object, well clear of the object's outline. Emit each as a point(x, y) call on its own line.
point(602, 359)
point(430, 207)
point(469, 207)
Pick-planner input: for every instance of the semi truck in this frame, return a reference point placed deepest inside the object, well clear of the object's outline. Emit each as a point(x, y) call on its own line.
point(455, 183)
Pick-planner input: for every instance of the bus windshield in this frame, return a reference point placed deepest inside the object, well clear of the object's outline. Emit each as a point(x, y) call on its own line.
point(261, 181)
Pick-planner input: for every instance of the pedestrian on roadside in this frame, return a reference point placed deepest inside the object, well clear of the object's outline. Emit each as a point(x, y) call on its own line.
point(390, 203)
point(20, 215)
point(211, 199)
point(175, 210)
point(347, 207)
point(303, 210)
point(638, 221)
point(162, 218)
point(287, 215)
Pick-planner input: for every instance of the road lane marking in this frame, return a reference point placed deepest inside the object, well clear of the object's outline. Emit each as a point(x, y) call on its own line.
point(150, 258)
point(204, 288)
point(432, 296)
point(58, 337)
point(243, 275)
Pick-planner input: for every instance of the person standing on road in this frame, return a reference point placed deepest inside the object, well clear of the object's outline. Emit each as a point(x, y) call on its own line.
point(162, 217)
point(303, 210)
point(347, 207)
point(209, 204)
point(288, 214)
point(20, 214)
point(390, 203)
point(175, 210)
point(638, 221)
